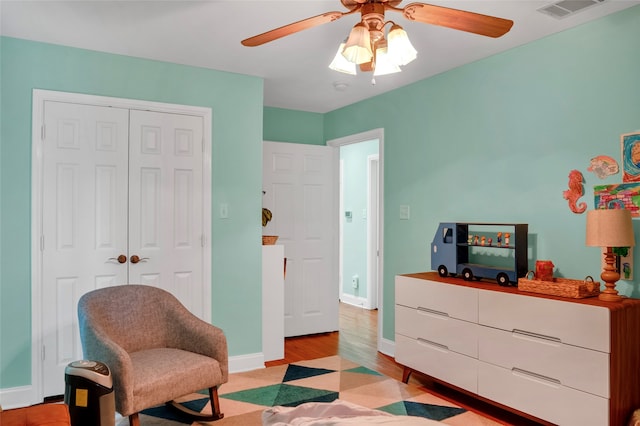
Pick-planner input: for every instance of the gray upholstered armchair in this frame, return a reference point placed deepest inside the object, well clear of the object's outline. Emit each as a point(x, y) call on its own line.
point(155, 348)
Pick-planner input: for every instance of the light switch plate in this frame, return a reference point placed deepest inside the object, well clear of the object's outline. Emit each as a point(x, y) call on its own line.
point(405, 212)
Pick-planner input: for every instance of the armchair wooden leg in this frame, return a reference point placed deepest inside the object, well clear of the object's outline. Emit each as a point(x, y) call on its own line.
point(215, 403)
point(134, 420)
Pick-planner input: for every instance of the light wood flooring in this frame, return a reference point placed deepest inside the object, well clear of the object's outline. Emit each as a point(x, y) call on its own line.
point(357, 341)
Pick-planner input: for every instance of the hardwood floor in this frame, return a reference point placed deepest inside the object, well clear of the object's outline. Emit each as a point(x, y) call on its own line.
point(357, 341)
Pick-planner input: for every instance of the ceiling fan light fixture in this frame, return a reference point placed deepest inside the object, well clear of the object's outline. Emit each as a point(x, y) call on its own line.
point(400, 48)
point(341, 64)
point(358, 47)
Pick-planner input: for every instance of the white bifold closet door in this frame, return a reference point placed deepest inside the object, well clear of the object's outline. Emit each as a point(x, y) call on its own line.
point(122, 203)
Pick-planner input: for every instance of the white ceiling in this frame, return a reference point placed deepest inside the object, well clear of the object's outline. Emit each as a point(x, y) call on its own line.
point(208, 34)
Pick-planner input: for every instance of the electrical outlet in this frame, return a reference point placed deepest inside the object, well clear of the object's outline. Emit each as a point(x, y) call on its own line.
point(355, 281)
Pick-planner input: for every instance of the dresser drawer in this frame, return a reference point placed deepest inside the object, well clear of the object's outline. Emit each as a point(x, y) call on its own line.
point(451, 367)
point(440, 329)
point(452, 300)
point(571, 323)
point(572, 366)
point(541, 398)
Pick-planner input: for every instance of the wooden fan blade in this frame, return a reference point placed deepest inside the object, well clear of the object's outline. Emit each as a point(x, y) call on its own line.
point(462, 20)
point(294, 28)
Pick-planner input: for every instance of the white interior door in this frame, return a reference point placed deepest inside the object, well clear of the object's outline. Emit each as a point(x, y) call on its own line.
point(165, 204)
point(118, 185)
point(84, 222)
point(299, 190)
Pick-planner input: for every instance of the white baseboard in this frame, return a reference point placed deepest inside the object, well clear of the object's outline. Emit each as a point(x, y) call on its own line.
point(350, 299)
point(17, 397)
point(387, 347)
point(248, 362)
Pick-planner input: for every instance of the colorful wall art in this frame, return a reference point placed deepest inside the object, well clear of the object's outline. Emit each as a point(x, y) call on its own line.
point(575, 191)
point(630, 144)
point(603, 166)
point(618, 196)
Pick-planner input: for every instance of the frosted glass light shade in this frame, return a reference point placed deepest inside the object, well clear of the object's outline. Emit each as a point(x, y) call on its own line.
point(358, 47)
point(384, 64)
point(341, 64)
point(400, 48)
point(609, 228)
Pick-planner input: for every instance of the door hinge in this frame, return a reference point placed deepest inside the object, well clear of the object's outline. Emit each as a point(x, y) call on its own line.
point(43, 352)
point(41, 242)
point(203, 240)
point(42, 132)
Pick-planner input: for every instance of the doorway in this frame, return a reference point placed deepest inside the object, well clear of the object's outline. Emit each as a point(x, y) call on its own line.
point(366, 214)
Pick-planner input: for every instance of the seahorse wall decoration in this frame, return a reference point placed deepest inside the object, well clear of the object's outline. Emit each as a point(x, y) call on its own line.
point(575, 191)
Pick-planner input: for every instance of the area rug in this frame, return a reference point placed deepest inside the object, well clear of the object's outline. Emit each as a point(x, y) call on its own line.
point(247, 394)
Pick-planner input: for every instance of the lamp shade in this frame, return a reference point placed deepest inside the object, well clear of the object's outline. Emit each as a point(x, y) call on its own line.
point(358, 46)
point(400, 48)
point(610, 228)
point(341, 64)
point(384, 64)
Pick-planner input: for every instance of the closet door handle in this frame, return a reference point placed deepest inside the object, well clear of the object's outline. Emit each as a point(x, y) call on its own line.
point(121, 259)
point(135, 258)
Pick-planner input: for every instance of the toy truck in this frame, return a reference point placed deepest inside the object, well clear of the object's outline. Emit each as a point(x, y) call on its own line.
point(494, 251)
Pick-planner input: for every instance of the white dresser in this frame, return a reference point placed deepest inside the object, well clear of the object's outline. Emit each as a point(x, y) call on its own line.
point(565, 361)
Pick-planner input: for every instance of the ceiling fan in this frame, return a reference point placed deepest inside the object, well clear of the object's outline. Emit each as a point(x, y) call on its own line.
point(367, 39)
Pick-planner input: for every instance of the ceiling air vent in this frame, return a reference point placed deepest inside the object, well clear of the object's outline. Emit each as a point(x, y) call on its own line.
point(564, 8)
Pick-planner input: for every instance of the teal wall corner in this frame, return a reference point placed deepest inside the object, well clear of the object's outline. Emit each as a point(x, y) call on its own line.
point(286, 125)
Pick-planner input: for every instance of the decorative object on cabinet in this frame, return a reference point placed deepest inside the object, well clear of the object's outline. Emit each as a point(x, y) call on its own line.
point(562, 287)
point(630, 145)
point(544, 270)
point(575, 191)
point(453, 254)
point(609, 229)
point(267, 240)
point(603, 166)
point(495, 344)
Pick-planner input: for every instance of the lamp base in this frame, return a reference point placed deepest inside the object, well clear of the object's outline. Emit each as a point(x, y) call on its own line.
point(610, 276)
point(610, 297)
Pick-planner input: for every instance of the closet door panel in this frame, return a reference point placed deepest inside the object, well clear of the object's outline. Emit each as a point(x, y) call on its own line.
point(165, 204)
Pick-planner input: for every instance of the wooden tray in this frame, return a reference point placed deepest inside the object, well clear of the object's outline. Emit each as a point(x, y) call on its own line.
point(563, 287)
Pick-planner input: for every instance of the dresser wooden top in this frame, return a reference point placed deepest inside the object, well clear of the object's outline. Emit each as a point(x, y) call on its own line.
point(492, 286)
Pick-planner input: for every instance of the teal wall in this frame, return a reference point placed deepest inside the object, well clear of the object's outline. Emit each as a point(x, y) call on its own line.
point(237, 104)
point(355, 198)
point(495, 141)
point(286, 125)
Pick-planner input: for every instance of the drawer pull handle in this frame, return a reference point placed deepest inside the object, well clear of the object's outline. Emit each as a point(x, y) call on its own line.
point(529, 334)
point(430, 343)
point(540, 377)
point(433, 312)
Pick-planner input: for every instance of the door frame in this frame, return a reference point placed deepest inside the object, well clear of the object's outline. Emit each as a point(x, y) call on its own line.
point(373, 207)
point(39, 97)
point(348, 140)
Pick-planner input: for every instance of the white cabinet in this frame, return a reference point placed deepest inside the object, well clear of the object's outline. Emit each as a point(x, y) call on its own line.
point(273, 302)
point(565, 361)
